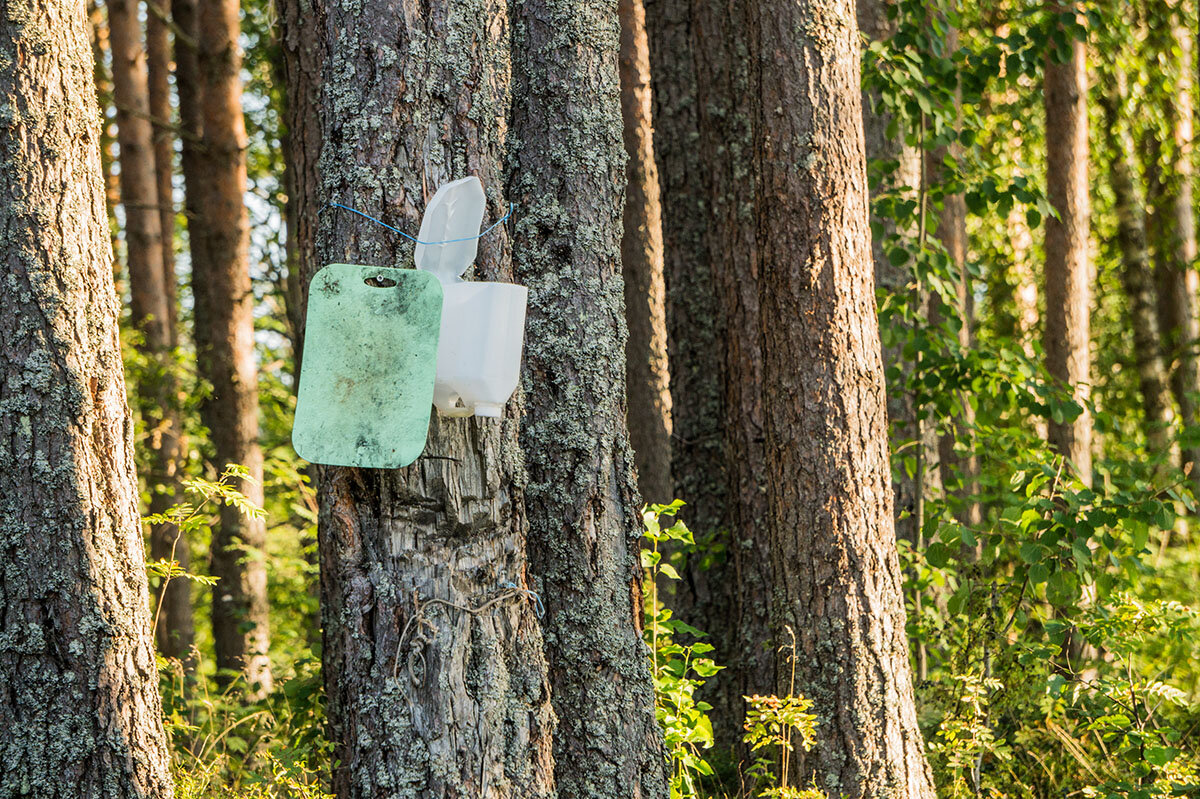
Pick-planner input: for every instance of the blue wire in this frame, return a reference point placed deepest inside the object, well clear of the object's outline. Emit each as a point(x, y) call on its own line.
point(480, 235)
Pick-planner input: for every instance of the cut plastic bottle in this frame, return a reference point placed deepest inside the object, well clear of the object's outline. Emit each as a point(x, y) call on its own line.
point(483, 323)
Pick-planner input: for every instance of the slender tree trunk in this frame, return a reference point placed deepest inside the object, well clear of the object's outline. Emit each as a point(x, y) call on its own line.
point(151, 312)
point(224, 331)
point(1066, 332)
point(299, 68)
point(79, 708)
point(837, 576)
point(98, 26)
point(421, 624)
point(646, 372)
point(158, 64)
point(1138, 280)
point(959, 473)
point(1174, 238)
point(704, 145)
point(566, 178)
point(874, 23)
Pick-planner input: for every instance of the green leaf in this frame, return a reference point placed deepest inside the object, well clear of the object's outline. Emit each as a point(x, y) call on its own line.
point(937, 555)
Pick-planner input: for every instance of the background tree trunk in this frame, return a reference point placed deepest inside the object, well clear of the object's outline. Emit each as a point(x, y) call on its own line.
point(874, 23)
point(837, 576)
point(704, 145)
point(959, 474)
point(112, 190)
point(460, 706)
point(1138, 281)
point(224, 334)
point(1066, 331)
point(646, 373)
point(152, 313)
point(158, 65)
point(1174, 239)
point(566, 178)
point(79, 706)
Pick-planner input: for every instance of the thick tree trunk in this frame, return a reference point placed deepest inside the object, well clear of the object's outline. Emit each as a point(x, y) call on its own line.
point(1174, 241)
point(433, 663)
point(646, 371)
point(1138, 281)
point(224, 331)
point(79, 708)
point(837, 576)
point(703, 140)
point(1066, 332)
point(152, 312)
point(566, 178)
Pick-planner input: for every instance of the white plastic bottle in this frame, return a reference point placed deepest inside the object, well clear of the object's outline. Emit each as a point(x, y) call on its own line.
point(483, 323)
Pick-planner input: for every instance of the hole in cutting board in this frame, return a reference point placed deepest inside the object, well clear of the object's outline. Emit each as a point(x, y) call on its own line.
point(380, 282)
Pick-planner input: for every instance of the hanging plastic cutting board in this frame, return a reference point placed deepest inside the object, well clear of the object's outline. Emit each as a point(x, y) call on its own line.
point(370, 359)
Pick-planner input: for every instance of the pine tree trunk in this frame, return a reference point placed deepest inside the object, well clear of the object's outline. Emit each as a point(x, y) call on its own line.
point(158, 65)
point(1138, 281)
point(695, 325)
point(98, 27)
point(1174, 241)
point(646, 372)
point(432, 691)
point(1066, 331)
point(224, 330)
point(959, 473)
point(152, 315)
point(566, 178)
point(837, 575)
point(703, 140)
point(79, 708)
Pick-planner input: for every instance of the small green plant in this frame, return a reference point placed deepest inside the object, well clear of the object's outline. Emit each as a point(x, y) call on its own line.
point(774, 721)
point(188, 519)
point(678, 669)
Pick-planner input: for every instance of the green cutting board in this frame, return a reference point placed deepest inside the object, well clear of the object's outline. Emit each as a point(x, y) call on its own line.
point(370, 358)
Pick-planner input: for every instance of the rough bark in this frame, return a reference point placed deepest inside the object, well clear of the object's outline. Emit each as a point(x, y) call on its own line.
point(566, 178)
point(151, 312)
point(224, 334)
point(892, 150)
point(837, 576)
point(1138, 280)
point(79, 705)
point(1068, 287)
point(646, 372)
point(703, 127)
point(1173, 238)
point(456, 705)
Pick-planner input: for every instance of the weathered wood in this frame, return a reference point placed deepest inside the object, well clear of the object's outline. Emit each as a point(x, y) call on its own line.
point(79, 706)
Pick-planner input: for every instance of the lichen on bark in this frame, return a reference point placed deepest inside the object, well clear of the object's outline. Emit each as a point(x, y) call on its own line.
point(433, 664)
point(566, 177)
point(79, 706)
